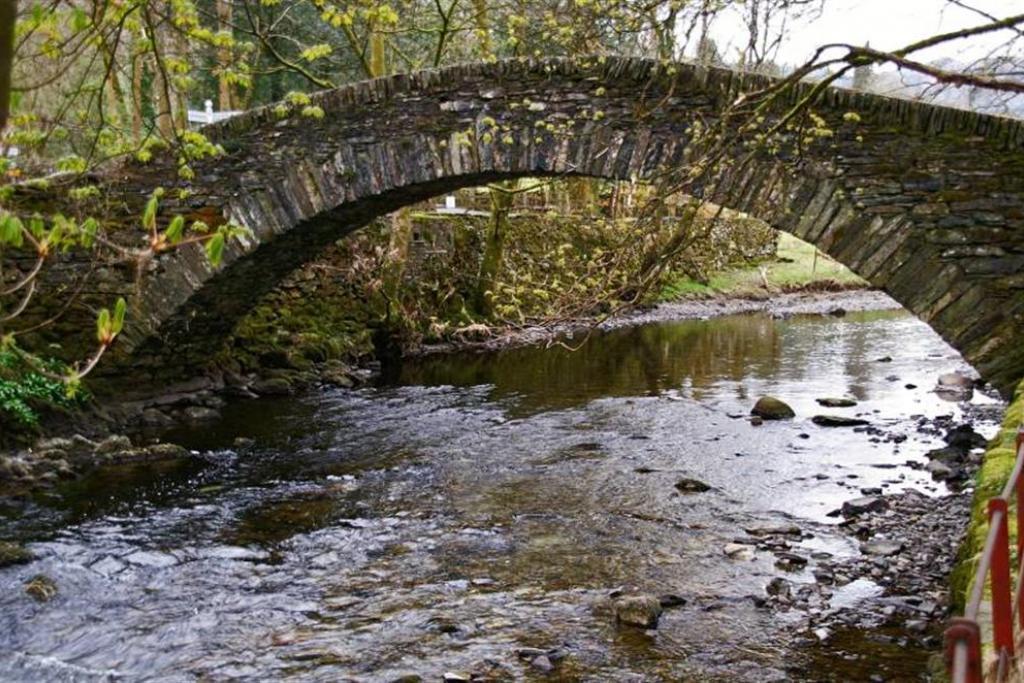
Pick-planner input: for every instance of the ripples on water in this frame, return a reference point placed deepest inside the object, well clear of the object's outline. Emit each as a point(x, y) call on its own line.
point(479, 505)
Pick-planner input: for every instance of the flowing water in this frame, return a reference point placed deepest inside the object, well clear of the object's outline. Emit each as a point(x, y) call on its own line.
point(479, 505)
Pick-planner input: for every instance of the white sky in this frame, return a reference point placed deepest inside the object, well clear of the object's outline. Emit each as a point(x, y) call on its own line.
point(886, 24)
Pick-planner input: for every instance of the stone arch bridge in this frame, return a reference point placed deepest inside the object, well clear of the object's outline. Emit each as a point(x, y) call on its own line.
point(925, 202)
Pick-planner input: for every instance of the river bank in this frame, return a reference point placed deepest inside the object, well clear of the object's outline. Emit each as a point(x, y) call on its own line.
point(781, 305)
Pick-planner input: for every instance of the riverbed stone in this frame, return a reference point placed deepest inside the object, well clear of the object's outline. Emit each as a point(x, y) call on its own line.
point(197, 414)
point(947, 455)
point(964, 437)
point(738, 551)
point(838, 421)
point(864, 505)
point(41, 587)
point(940, 471)
point(643, 611)
point(773, 529)
point(273, 386)
point(687, 485)
point(779, 587)
point(881, 548)
point(771, 408)
point(113, 444)
point(670, 600)
point(12, 553)
point(837, 402)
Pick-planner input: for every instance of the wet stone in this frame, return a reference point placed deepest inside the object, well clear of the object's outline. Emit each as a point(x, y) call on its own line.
point(41, 587)
point(771, 408)
point(12, 553)
point(738, 551)
point(773, 529)
point(643, 611)
point(838, 421)
point(881, 548)
point(670, 600)
point(860, 506)
point(836, 402)
point(687, 485)
point(779, 587)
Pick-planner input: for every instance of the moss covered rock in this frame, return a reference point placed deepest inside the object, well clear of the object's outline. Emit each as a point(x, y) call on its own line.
point(771, 408)
point(12, 553)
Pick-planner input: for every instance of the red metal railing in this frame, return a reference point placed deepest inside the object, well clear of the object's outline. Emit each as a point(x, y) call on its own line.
point(963, 636)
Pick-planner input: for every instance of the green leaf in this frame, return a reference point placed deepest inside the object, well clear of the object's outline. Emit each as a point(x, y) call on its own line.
point(11, 231)
point(103, 326)
point(175, 230)
point(37, 227)
point(215, 248)
point(79, 19)
point(149, 215)
point(119, 311)
point(89, 228)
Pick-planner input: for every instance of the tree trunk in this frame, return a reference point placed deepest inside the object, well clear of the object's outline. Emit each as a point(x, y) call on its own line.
point(8, 12)
point(377, 63)
point(494, 247)
point(137, 96)
point(225, 96)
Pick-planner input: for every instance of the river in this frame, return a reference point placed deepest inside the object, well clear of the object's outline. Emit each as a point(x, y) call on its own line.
point(478, 505)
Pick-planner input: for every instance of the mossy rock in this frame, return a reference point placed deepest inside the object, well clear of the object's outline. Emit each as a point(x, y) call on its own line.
point(771, 408)
point(12, 553)
point(41, 587)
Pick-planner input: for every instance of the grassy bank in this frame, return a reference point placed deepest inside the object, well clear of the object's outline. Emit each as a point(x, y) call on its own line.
point(797, 265)
point(991, 477)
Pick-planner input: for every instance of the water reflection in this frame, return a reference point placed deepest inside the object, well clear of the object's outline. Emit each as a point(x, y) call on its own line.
point(837, 356)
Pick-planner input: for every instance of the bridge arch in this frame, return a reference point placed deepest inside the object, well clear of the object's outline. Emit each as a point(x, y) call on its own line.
point(925, 202)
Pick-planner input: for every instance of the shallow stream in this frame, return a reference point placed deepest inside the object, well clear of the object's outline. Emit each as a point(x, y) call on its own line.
point(483, 504)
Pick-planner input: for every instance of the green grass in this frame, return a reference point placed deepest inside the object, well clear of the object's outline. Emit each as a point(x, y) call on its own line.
point(795, 267)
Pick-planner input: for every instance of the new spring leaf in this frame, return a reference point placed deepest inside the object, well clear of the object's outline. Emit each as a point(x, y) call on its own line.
point(149, 215)
point(215, 248)
point(175, 230)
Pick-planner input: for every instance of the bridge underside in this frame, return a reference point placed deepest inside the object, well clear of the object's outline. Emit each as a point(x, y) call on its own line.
point(926, 203)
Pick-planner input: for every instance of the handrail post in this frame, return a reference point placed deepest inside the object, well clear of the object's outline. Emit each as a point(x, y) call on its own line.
point(963, 631)
point(1002, 600)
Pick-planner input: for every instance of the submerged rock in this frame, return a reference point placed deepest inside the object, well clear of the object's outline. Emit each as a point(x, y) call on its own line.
point(642, 611)
point(771, 408)
point(669, 600)
point(687, 485)
point(838, 421)
point(779, 587)
point(196, 414)
point(773, 529)
point(837, 402)
point(272, 386)
point(41, 587)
